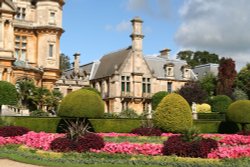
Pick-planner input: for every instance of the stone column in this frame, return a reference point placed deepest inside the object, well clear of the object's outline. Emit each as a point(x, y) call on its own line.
point(8, 74)
point(1, 73)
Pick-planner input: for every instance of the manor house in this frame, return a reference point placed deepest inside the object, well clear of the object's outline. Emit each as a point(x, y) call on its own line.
point(30, 32)
point(126, 78)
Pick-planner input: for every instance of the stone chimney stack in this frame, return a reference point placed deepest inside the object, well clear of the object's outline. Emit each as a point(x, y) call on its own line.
point(76, 63)
point(165, 53)
point(137, 35)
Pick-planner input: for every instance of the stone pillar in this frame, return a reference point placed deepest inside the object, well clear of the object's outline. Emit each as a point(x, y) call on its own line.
point(8, 74)
point(1, 73)
point(76, 63)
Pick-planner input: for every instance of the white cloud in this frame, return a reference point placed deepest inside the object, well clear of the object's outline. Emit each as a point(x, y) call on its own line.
point(219, 26)
point(120, 27)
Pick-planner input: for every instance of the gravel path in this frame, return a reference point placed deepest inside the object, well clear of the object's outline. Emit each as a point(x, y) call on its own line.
point(10, 163)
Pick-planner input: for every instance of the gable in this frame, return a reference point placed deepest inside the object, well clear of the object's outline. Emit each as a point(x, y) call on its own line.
point(8, 5)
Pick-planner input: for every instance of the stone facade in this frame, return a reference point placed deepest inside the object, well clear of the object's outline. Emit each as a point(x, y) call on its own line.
point(30, 32)
point(128, 79)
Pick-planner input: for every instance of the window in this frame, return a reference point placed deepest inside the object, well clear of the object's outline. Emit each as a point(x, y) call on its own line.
point(51, 47)
point(52, 17)
point(20, 47)
point(146, 85)
point(20, 13)
point(169, 87)
point(125, 84)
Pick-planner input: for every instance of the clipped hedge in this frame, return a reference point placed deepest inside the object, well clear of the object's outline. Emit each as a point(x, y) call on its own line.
point(211, 116)
point(53, 124)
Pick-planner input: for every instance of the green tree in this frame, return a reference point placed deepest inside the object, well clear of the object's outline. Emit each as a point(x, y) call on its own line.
point(8, 94)
point(40, 97)
point(53, 99)
point(226, 77)
point(198, 57)
point(243, 80)
point(25, 88)
point(64, 62)
point(157, 97)
point(208, 83)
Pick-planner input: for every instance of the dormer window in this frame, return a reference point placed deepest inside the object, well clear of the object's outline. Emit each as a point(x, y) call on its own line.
point(169, 70)
point(186, 72)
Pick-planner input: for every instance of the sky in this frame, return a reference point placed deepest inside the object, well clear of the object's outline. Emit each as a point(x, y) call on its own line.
point(97, 27)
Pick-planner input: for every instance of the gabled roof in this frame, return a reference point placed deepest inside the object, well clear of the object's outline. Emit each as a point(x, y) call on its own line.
point(86, 68)
point(156, 65)
point(111, 61)
point(9, 5)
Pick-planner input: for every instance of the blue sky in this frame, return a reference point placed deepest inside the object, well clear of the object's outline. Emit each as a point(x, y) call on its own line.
point(97, 27)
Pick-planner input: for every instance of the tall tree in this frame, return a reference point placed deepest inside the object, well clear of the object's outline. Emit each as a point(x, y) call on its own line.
point(25, 88)
point(243, 80)
point(64, 62)
point(226, 77)
point(40, 97)
point(198, 57)
point(208, 83)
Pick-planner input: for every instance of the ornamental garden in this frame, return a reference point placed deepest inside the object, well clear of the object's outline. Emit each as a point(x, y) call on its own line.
point(82, 134)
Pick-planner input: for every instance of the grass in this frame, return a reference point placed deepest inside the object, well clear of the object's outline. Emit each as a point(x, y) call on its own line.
point(139, 139)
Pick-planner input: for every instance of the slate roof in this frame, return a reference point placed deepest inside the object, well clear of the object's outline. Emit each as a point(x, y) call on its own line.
point(109, 61)
point(86, 68)
point(156, 65)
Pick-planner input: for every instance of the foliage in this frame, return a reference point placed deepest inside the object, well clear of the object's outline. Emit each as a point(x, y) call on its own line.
point(193, 92)
point(9, 131)
point(157, 97)
point(198, 57)
point(228, 127)
point(208, 83)
point(220, 103)
point(8, 94)
point(203, 108)
point(239, 94)
point(197, 148)
point(64, 62)
point(128, 113)
point(243, 79)
point(53, 100)
point(191, 134)
point(239, 112)
point(173, 114)
point(39, 113)
point(62, 144)
point(207, 126)
point(147, 131)
point(93, 89)
point(226, 77)
point(81, 103)
point(25, 89)
point(40, 97)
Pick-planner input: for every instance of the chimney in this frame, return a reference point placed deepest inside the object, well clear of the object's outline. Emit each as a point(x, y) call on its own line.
point(76, 63)
point(165, 53)
point(137, 35)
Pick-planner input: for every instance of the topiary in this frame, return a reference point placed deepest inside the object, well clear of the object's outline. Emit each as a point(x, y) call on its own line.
point(146, 131)
point(203, 108)
point(93, 90)
point(239, 112)
point(81, 103)
point(173, 114)
point(8, 94)
point(157, 97)
point(11, 131)
point(220, 103)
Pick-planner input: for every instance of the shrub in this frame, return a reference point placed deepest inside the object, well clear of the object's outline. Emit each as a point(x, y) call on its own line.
point(39, 113)
point(173, 114)
point(239, 94)
point(8, 95)
point(157, 97)
point(81, 103)
point(147, 131)
point(203, 108)
point(199, 148)
point(10, 131)
point(93, 90)
point(129, 113)
point(220, 103)
point(89, 141)
point(62, 144)
point(193, 92)
point(228, 128)
point(239, 112)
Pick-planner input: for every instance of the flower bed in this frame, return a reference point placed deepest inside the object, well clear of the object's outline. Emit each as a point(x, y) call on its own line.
point(230, 146)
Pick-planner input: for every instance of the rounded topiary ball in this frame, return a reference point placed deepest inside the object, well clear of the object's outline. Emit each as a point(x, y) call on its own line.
point(173, 114)
point(81, 103)
point(220, 103)
point(239, 112)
